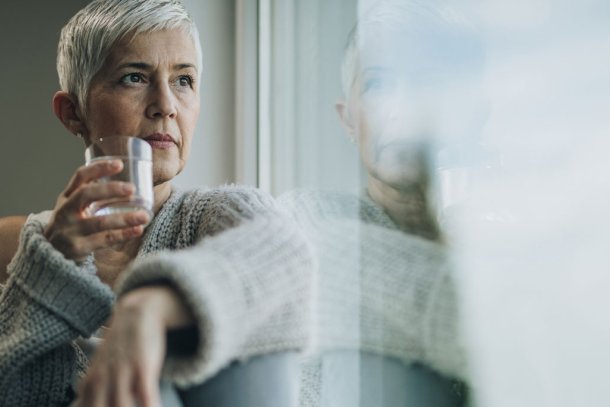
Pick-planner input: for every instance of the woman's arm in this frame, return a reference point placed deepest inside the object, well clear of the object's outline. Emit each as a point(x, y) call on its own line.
point(9, 240)
point(379, 289)
point(246, 285)
point(47, 302)
point(52, 294)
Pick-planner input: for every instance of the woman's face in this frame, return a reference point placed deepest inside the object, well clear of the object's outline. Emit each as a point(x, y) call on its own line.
point(401, 106)
point(390, 123)
point(147, 89)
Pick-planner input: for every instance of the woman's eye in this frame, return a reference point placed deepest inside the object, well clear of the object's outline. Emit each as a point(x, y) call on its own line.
point(374, 83)
point(377, 83)
point(132, 78)
point(185, 80)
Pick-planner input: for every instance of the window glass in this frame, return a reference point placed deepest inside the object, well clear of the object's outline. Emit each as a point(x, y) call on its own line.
point(447, 161)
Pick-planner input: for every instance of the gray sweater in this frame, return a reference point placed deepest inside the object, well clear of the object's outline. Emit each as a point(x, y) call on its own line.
point(242, 266)
point(378, 289)
point(245, 269)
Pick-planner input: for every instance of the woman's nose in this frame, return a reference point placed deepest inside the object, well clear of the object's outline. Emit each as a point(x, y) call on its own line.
point(162, 103)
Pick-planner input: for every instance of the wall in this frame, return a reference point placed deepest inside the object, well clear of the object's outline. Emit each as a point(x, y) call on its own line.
point(212, 156)
point(37, 155)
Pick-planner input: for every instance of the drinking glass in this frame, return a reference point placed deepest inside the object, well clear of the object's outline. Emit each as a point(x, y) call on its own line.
point(136, 155)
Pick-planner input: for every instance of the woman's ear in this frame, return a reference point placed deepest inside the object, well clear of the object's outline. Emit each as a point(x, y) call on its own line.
point(346, 119)
point(67, 111)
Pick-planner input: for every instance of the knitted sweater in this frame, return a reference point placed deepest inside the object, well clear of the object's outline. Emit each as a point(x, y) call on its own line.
point(378, 289)
point(241, 266)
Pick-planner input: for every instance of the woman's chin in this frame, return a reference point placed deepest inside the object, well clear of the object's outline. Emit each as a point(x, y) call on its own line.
point(400, 170)
point(163, 175)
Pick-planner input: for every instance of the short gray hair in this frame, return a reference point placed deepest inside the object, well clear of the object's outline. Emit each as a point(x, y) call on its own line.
point(87, 39)
point(428, 24)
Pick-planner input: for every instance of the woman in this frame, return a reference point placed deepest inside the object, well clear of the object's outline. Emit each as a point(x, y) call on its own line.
point(386, 286)
point(223, 266)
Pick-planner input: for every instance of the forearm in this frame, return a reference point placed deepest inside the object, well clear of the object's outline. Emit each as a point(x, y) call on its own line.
point(234, 283)
point(33, 343)
point(387, 292)
point(47, 302)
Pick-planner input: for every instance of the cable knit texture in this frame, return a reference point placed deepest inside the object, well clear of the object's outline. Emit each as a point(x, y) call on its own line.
point(47, 303)
point(241, 265)
point(244, 268)
point(379, 289)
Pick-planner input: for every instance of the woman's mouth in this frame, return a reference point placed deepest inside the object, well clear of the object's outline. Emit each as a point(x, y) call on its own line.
point(160, 141)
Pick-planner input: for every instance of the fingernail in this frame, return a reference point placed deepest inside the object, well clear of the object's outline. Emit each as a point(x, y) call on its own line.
point(115, 163)
point(129, 188)
point(142, 217)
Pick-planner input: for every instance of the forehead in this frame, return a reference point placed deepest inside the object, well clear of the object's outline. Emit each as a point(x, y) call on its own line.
point(174, 46)
point(421, 52)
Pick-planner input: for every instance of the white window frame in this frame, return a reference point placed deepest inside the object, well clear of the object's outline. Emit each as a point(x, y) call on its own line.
point(247, 127)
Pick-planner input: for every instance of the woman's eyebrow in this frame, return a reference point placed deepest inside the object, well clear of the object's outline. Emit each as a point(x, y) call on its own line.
point(147, 67)
point(137, 65)
point(185, 66)
point(376, 69)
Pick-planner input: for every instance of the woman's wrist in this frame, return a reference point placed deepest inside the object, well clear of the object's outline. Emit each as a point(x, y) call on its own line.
point(160, 301)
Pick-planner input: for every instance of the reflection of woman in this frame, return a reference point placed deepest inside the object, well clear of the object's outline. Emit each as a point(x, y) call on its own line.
point(217, 264)
point(385, 284)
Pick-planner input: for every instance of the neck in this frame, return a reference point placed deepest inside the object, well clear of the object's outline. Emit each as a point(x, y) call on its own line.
point(161, 193)
point(407, 206)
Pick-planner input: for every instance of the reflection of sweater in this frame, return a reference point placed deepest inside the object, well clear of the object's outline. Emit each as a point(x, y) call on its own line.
point(378, 289)
point(241, 266)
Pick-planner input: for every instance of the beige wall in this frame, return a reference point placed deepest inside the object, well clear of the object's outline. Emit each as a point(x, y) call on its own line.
point(212, 157)
point(38, 156)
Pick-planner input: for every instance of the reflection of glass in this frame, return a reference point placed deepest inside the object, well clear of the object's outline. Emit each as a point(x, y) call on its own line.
point(136, 156)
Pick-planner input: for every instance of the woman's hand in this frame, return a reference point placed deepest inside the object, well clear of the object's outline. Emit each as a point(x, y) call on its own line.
point(127, 366)
point(76, 234)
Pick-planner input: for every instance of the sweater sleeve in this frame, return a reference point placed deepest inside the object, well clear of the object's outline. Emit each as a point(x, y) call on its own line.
point(379, 289)
point(248, 282)
point(48, 301)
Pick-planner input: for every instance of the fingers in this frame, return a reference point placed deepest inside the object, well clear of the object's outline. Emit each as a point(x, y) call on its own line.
point(89, 193)
point(103, 390)
point(124, 221)
point(122, 394)
point(119, 383)
point(92, 392)
point(79, 247)
point(110, 237)
point(82, 236)
point(73, 232)
point(147, 390)
point(127, 366)
point(91, 172)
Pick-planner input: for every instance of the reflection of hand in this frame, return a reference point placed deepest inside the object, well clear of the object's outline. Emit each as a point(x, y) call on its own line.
point(127, 366)
point(73, 232)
